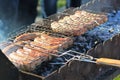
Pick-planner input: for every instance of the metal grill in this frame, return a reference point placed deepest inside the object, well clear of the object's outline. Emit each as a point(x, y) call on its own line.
point(73, 55)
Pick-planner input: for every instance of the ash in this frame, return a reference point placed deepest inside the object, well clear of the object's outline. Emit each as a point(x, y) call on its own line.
point(85, 42)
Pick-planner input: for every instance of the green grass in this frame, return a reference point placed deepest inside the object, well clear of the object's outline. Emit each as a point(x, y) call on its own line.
point(117, 78)
point(61, 3)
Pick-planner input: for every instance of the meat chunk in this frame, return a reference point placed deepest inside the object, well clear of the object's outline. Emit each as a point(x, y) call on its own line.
point(52, 43)
point(26, 36)
point(26, 62)
point(33, 53)
point(12, 47)
point(4, 44)
point(78, 23)
point(27, 58)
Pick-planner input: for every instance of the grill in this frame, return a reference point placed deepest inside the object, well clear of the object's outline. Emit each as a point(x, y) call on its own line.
point(102, 41)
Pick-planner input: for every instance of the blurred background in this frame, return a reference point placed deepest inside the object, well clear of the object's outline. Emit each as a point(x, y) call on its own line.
point(60, 5)
point(19, 14)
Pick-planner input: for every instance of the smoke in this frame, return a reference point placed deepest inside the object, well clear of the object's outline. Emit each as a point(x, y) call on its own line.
point(3, 36)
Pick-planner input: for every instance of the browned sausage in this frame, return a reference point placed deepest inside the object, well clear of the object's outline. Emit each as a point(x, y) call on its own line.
point(78, 23)
point(13, 47)
point(27, 36)
point(4, 44)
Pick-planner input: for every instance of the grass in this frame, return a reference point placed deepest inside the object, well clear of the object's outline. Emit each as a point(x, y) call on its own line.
point(61, 3)
point(117, 78)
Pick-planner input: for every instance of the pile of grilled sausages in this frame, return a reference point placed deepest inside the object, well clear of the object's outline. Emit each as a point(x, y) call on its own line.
point(31, 49)
point(78, 23)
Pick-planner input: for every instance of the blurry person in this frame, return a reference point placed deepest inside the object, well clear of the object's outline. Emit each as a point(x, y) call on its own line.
point(73, 3)
point(16, 13)
point(49, 7)
point(27, 12)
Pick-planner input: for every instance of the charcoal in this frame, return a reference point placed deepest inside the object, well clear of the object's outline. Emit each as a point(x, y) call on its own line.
point(85, 42)
point(78, 70)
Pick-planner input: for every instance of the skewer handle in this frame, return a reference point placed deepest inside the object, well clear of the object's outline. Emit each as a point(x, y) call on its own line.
point(106, 61)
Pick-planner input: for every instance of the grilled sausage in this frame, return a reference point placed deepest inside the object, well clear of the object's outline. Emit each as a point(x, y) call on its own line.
point(26, 55)
point(22, 61)
point(31, 51)
point(4, 44)
point(27, 36)
point(12, 47)
point(27, 59)
point(53, 42)
point(78, 23)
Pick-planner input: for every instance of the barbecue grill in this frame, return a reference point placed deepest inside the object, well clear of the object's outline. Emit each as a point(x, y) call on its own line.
point(96, 43)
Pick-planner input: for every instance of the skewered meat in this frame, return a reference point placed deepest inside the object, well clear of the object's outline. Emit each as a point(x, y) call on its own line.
point(78, 23)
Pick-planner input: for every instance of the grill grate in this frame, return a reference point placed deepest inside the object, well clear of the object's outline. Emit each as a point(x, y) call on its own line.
point(58, 62)
point(31, 29)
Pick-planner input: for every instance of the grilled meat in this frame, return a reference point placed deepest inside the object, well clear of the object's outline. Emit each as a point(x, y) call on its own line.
point(31, 49)
point(27, 36)
point(26, 62)
point(27, 58)
point(78, 23)
point(4, 44)
point(51, 42)
point(33, 52)
point(12, 47)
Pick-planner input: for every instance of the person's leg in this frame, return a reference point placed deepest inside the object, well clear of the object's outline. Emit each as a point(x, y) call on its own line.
point(73, 3)
point(48, 7)
point(27, 11)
